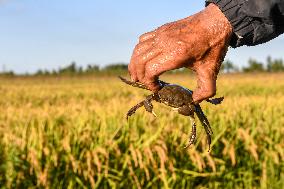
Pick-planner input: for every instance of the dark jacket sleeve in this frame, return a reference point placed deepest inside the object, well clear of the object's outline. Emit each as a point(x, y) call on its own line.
point(253, 21)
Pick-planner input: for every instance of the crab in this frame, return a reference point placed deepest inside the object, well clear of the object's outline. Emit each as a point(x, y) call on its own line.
point(180, 99)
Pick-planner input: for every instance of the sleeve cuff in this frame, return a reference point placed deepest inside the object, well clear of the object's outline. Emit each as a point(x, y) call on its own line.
point(241, 23)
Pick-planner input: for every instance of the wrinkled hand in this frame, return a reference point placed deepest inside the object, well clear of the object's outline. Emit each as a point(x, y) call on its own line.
point(198, 42)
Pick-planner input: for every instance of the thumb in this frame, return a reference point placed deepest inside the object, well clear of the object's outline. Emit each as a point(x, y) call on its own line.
point(206, 84)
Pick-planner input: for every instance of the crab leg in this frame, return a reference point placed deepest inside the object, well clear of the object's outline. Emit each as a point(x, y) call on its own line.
point(140, 85)
point(133, 109)
point(204, 121)
point(146, 103)
point(193, 132)
point(132, 83)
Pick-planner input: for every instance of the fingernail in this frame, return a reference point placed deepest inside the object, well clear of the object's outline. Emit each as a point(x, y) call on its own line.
point(154, 87)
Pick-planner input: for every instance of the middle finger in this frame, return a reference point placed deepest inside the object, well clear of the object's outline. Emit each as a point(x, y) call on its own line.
point(142, 60)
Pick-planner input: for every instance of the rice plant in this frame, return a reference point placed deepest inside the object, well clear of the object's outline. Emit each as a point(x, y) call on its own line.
point(72, 133)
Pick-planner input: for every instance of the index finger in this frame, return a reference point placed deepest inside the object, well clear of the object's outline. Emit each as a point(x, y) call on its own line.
point(157, 66)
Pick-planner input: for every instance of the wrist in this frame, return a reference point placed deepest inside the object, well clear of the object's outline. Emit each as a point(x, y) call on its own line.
point(221, 18)
point(217, 24)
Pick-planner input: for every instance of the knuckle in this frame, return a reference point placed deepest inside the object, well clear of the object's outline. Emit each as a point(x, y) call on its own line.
point(142, 37)
point(147, 35)
point(181, 48)
point(152, 70)
point(140, 48)
point(165, 26)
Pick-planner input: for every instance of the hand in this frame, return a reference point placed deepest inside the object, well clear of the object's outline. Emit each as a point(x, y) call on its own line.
point(198, 42)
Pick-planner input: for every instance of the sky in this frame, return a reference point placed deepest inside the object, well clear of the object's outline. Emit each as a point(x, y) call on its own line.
point(49, 34)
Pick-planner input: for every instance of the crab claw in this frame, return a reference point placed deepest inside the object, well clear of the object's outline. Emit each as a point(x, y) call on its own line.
point(215, 101)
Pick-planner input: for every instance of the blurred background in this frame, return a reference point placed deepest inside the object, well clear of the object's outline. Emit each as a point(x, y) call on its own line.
point(63, 109)
point(49, 35)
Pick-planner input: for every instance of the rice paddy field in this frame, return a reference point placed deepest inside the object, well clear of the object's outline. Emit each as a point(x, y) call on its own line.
point(71, 132)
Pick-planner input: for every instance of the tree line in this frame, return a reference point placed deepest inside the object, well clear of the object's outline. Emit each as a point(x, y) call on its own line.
point(74, 69)
point(271, 65)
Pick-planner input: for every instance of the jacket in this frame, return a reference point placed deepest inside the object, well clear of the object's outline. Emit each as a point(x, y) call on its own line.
point(253, 21)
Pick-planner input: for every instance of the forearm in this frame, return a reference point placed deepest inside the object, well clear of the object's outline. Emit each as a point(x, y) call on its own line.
point(253, 21)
